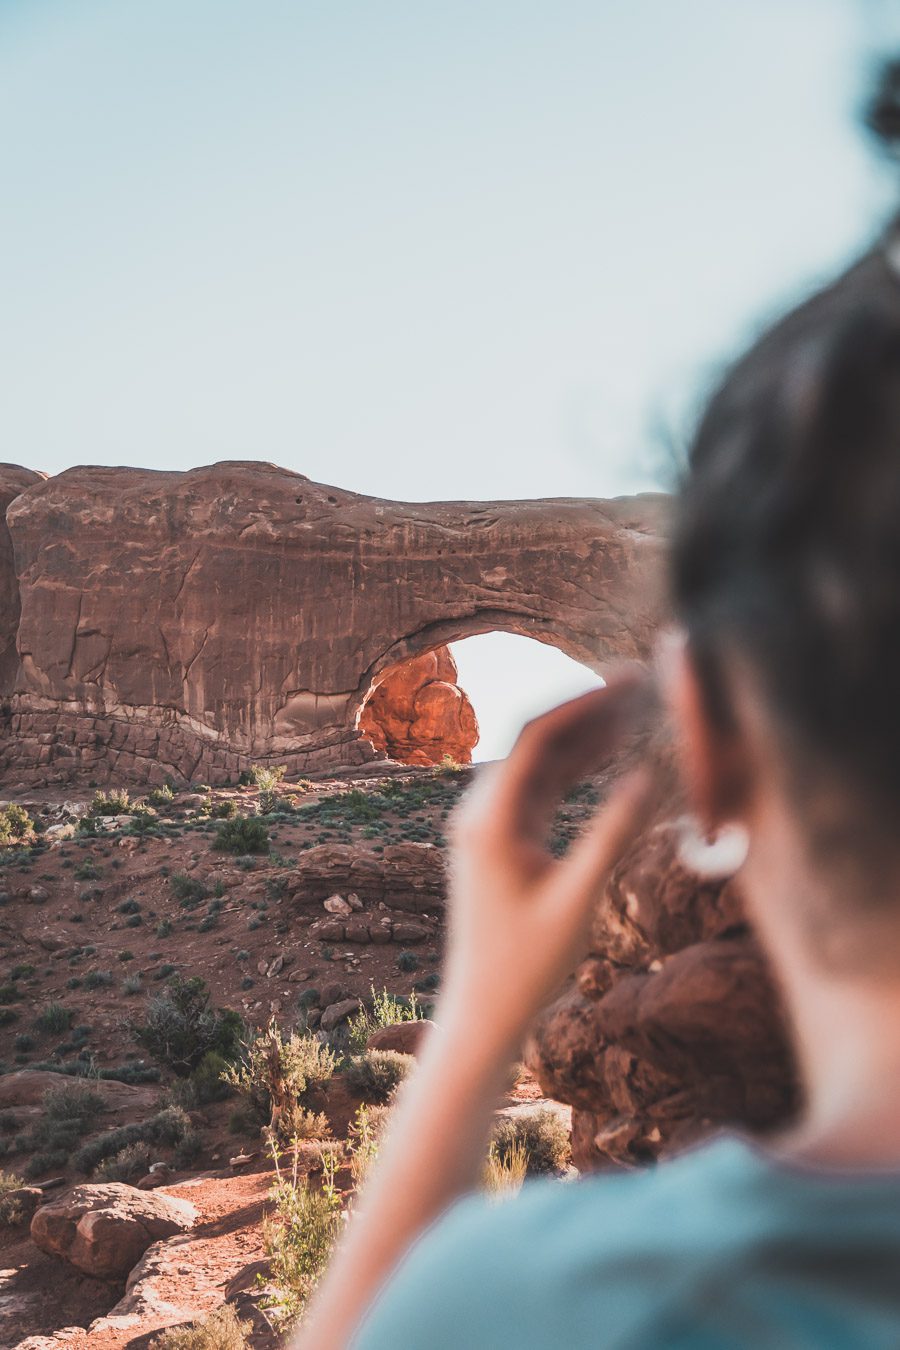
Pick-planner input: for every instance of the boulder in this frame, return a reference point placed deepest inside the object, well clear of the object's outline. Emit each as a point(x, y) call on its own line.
point(338, 1012)
point(417, 713)
point(104, 1230)
point(406, 1037)
point(26, 1087)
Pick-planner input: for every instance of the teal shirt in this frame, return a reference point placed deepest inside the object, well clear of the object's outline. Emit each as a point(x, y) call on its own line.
point(720, 1249)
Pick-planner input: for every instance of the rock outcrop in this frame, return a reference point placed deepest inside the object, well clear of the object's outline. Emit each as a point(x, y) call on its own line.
point(673, 1025)
point(418, 714)
point(13, 482)
point(186, 625)
point(104, 1230)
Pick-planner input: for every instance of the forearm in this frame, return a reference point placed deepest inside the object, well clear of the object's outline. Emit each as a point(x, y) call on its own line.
point(433, 1152)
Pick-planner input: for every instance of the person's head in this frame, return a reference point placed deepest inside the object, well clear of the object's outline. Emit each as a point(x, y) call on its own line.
point(785, 573)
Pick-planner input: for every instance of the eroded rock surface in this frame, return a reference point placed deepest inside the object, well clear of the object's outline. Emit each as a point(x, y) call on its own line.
point(673, 1025)
point(186, 625)
point(418, 714)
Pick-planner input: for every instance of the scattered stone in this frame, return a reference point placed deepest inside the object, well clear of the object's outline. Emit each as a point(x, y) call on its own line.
point(336, 904)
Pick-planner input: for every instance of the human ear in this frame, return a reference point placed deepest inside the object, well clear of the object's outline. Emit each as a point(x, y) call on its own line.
point(710, 750)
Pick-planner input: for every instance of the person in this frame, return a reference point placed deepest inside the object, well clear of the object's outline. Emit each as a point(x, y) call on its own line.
point(782, 688)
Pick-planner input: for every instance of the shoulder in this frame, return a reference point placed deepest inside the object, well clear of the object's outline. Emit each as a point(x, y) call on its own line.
point(539, 1268)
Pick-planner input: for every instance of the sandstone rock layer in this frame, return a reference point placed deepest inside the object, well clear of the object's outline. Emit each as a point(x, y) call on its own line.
point(186, 625)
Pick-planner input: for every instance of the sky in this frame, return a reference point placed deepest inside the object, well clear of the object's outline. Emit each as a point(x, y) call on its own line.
point(417, 249)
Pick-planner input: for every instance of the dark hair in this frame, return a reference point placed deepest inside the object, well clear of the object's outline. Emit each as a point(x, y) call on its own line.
point(786, 549)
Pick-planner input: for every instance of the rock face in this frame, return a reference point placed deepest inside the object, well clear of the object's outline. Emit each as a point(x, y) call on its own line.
point(105, 1230)
point(13, 481)
point(418, 714)
point(672, 1026)
point(186, 625)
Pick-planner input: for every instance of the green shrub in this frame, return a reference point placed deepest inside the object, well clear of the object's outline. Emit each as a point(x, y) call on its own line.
point(541, 1134)
point(111, 804)
point(224, 810)
point(169, 1126)
point(266, 781)
point(54, 1018)
point(161, 796)
point(376, 1074)
point(407, 961)
point(72, 1101)
point(12, 1210)
point(275, 1072)
point(23, 971)
point(386, 1011)
point(131, 1161)
point(9, 993)
point(8, 1016)
point(132, 984)
point(241, 835)
point(188, 890)
point(222, 1330)
point(299, 1237)
point(97, 979)
point(180, 1027)
point(15, 824)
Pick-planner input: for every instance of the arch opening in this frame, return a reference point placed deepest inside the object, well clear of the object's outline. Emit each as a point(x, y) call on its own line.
point(468, 699)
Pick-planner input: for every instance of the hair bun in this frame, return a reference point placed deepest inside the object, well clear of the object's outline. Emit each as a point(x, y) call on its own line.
point(883, 114)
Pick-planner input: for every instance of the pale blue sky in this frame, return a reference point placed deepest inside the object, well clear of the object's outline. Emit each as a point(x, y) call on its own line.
point(416, 248)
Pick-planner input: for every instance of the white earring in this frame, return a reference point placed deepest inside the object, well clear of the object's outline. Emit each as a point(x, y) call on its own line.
point(713, 859)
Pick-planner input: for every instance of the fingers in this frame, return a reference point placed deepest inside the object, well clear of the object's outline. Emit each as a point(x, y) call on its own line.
point(558, 749)
point(616, 825)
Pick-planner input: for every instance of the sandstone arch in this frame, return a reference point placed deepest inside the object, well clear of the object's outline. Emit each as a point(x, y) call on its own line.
point(188, 624)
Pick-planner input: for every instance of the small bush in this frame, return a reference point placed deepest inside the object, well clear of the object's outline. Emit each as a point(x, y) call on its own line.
point(131, 1161)
point(72, 1102)
point(188, 890)
point(267, 780)
point(111, 804)
point(132, 984)
point(386, 1011)
point(241, 835)
point(300, 1236)
point(161, 796)
point(504, 1172)
point(274, 1074)
point(8, 1016)
point(180, 1027)
point(223, 1330)
point(169, 1126)
point(376, 1075)
point(543, 1137)
point(15, 824)
point(224, 810)
point(54, 1018)
point(11, 1210)
point(97, 979)
point(407, 961)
